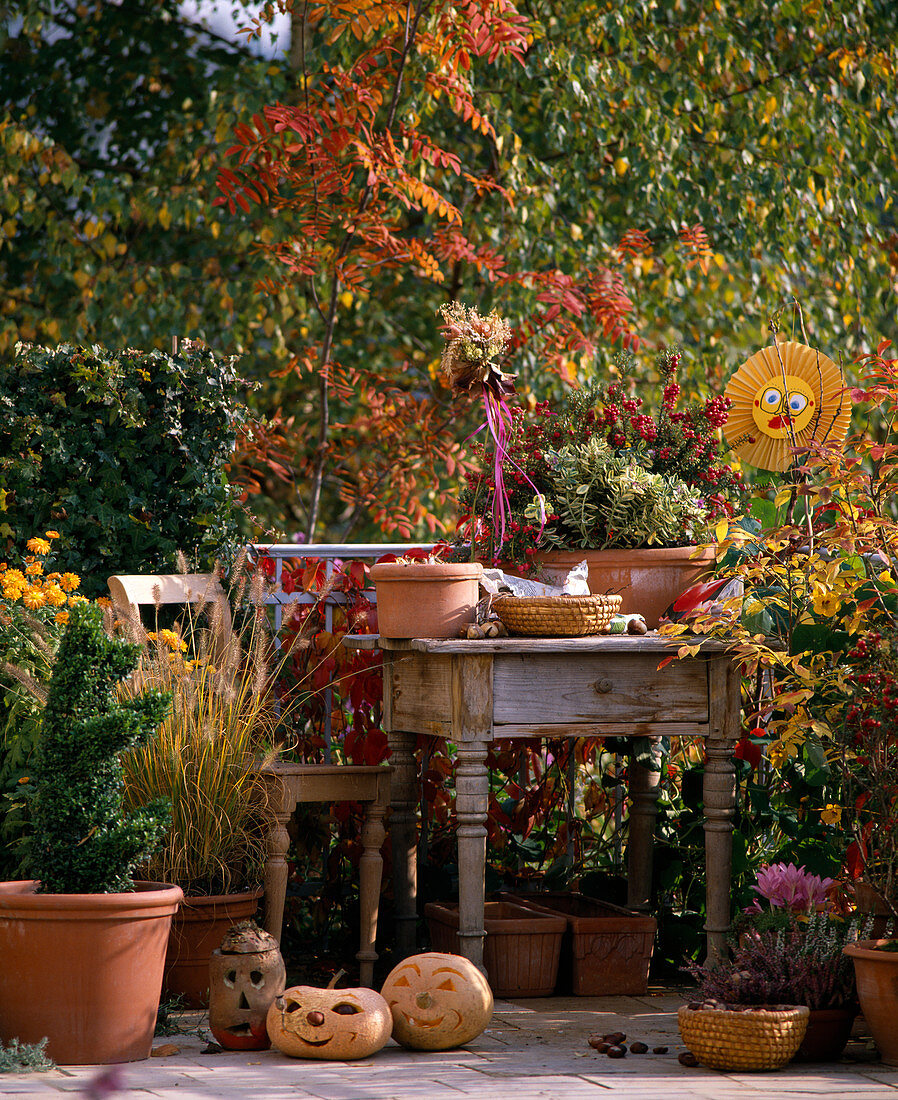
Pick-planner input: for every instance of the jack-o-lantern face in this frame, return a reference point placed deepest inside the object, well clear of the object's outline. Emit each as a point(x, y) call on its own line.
point(241, 990)
point(339, 1024)
point(438, 1001)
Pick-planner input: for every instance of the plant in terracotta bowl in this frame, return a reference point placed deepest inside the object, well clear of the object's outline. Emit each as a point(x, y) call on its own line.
point(598, 477)
point(82, 944)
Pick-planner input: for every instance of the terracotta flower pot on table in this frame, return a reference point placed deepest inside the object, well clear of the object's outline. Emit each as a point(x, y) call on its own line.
point(425, 600)
point(648, 580)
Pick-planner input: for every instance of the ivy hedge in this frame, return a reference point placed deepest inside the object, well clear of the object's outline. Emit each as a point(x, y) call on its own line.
point(123, 452)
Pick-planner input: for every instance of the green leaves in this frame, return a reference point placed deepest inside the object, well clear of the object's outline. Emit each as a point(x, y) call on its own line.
point(130, 490)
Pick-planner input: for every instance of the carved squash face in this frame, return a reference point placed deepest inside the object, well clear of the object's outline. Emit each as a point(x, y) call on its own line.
point(241, 990)
point(337, 1024)
point(438, 1001)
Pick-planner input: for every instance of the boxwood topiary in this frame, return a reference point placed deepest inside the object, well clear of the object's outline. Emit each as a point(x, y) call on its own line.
point(82, 841)
point(123, 452)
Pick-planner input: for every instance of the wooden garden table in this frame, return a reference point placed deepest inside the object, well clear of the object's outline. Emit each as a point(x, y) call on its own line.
point(475, 693)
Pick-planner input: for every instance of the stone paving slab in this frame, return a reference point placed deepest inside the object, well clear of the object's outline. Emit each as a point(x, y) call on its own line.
point(533, 1050)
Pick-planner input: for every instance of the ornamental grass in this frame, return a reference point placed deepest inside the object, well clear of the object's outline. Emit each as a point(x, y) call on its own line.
point(206, 756)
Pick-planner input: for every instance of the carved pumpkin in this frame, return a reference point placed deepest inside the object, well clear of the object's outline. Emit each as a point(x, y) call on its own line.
point(438, 1001)
point(246, 973)
point(339, 1024)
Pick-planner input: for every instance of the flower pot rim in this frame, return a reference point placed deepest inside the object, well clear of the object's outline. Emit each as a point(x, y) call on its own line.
point(215, 899)
point(23, 894)
point(425, 571)
point(867, 949)
point(707, 552)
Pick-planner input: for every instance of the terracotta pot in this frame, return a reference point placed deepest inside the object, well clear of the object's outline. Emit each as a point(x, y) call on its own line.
point(83, 969)
point(827, 1034)
point(648, 580)
point(876, 973)
point(423, 600)
point(196, 931)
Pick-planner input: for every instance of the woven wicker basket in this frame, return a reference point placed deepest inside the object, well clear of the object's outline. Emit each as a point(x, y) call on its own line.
point(556, 616)
point(738, 1040)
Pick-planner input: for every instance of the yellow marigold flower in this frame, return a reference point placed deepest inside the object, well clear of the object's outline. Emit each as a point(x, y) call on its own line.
point(69, 581)
point(2, 566)
point(34, 598)
point(55, 595)
point(151, 635)
point(53, 577)
point(12, 592)
point(171, 639)
point(38, 546)
point(34, 569)
point(24, 779)
point(61, 617)
point(52, 534)
point(104, 602)
point(14, 575)
point(78, 599)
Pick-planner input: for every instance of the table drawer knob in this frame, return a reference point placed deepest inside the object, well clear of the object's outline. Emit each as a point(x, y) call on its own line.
point(602, 686)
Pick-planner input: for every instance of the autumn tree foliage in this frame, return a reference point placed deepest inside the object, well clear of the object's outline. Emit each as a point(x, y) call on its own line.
point(380, 197)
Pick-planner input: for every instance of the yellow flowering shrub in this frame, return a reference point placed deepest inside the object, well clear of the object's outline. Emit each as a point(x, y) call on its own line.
point(35, 598)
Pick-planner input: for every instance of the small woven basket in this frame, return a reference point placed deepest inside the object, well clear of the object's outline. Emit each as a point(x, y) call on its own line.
point(765, 1038)
point(556, 616)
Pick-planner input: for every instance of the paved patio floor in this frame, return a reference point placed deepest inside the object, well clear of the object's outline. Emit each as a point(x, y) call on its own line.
point(533, 1050)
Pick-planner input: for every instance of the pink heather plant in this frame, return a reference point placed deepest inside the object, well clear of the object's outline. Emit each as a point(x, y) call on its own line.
point(786, 886)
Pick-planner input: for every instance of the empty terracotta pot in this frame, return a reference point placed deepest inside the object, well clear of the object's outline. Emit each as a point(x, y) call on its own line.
point(425, 600)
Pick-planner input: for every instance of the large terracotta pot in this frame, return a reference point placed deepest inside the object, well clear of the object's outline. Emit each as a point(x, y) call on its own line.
point(196, 931)
point(424, 600)
point(648, 580)
point(876, 973)
point(83, 969)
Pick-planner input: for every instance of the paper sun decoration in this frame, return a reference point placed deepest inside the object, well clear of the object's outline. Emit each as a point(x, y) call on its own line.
point(785, 396)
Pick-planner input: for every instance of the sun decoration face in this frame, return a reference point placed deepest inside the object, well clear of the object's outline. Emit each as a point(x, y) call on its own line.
point(438, 1001)
point(781, 410)
point(785, 396)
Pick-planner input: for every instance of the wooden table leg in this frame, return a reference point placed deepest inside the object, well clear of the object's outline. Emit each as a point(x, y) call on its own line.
point(471, 805)
point(404, 838)
point(276, 872)
point(720, 801)
point(370, 874)
point(644, 790)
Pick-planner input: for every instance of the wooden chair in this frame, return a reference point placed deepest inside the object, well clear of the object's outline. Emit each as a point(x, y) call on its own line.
point(289, 784)
point(130, 592)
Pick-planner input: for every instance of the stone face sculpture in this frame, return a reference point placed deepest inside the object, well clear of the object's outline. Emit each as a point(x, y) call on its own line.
point(338, 1024)
point(246, 973)
point(438, 1001)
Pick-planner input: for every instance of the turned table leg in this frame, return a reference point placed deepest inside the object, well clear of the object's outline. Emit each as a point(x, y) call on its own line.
point(471, 804)
point(645, 789)
point(720, 801)
point(370, 874)
point(275, 884)
point(404, 838)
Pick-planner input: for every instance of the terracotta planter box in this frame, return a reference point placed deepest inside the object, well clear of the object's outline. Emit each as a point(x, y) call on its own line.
point(606, 950)
point(521, 950)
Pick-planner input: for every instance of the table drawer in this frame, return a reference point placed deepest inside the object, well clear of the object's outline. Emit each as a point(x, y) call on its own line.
point(552, 689)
